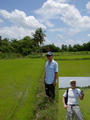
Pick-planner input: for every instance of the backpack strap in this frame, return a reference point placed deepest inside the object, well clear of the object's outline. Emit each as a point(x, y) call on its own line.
point(67, 91)
point(66, 98)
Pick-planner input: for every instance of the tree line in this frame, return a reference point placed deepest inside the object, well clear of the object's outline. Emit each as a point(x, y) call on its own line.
point(76, 47)
point(24, 46)
point(34, 44)
point(67, 48)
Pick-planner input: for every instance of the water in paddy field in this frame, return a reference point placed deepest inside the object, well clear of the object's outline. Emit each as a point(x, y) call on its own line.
point(64, 82)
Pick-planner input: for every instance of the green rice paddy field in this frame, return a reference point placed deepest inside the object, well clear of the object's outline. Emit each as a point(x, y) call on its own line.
point(70, 66)
point(19, 80)
point(18, 85)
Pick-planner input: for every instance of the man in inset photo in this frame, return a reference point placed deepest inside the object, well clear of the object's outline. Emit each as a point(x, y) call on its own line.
point(72, 105)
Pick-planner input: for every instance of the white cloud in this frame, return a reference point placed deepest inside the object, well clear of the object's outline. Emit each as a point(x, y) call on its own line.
point(88, 35)
point(15, 32)
point(68, 14)
point(21, 24)
point(73, 42)
point(49, 24)
point(67, 42)
point(88, 6)
point(47, 41)
point(73, 31)
point(19, 18)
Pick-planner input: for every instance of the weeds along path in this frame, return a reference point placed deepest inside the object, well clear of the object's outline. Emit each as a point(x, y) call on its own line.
point(45, 109)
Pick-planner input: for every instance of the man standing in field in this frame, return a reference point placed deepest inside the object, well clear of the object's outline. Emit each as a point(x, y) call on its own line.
point(72, 102)
point(51, 74)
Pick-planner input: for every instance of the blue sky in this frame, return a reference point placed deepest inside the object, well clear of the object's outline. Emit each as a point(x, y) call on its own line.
point(64, 21)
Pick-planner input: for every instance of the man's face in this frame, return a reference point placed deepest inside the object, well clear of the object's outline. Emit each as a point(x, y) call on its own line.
point(73, 85)
point(50, 57)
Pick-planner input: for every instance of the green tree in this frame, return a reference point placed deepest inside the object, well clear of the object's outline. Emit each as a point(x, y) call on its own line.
point(70, 48)
point(25, 45)
point(5, 45)
point(15, 45)
point(50, 47)
point(64, 47)
point(38, 37)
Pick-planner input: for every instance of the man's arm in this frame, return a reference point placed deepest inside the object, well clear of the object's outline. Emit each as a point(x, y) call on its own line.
point(82, 96)
point(55, 78)
point(56, 74)
point(63, 100)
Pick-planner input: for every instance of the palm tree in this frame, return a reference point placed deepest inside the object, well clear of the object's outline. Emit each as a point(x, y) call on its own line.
point(38, 37)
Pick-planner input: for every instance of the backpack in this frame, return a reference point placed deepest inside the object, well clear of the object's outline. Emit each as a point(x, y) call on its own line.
point(66, 98)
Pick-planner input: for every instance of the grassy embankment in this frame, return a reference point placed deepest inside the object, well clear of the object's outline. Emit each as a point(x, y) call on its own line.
point(45, 109)
point(76, 66)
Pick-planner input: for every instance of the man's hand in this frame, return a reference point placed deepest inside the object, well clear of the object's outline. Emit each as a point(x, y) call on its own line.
point(63, 100)
point(82, 96)
point(56, 76)
point(65, 106)
point(54, 83)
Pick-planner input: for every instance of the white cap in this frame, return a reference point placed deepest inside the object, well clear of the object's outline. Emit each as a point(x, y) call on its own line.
point(72, 81)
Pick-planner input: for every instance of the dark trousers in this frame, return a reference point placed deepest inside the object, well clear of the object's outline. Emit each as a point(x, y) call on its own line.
point(50, 90)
